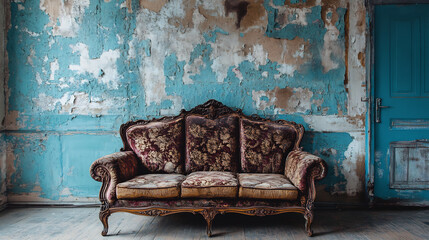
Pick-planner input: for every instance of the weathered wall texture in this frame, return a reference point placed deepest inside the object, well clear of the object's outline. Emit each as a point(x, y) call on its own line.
point(80, 68)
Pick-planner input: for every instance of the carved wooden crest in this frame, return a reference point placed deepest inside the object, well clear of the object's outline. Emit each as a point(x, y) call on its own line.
point(212, 109)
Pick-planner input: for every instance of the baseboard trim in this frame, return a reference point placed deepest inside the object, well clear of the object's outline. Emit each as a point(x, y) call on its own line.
point(59, 205)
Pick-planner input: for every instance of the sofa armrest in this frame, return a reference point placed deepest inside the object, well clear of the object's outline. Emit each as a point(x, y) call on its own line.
point(113, 169)
point(302, 167)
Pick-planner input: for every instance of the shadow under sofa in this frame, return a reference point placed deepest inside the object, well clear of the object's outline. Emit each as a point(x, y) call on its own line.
point(209, 160)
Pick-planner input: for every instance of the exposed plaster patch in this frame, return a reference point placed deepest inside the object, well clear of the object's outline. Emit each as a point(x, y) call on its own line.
point(331, 46)
point(153, 5)
point(288, 15)
point(227, 51)
point(46, 103)
point(64, 16)
point(31, 56)
point(155, 27)
point(11, 162)
point(79, 103)
point(286, 100)
point(127, 4)
point(11, 120)
point(33, 34)
point(333, 123)
point(238, 74)
point(259, 55)
point(21, 7)
point(356, 59)
point(192, 69)
point(54, 67)
point(103, 68)
point(353, 166)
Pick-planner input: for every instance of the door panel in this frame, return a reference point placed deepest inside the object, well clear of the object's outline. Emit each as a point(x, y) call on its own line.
point(401, 79)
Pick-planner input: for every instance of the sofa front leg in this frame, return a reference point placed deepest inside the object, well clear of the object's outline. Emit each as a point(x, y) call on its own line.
point(308, 215)
point(104, 215)
point(209, 215)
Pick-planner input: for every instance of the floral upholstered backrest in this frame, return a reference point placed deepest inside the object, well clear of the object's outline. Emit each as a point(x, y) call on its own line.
point(212, 137)
point(265, 144)
point(211, 144)
point(159, 144)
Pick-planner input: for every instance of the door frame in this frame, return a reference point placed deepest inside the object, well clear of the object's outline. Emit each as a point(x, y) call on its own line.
point(370, 82)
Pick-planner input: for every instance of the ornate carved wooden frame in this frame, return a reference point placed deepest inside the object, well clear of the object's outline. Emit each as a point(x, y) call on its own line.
point(211, 109)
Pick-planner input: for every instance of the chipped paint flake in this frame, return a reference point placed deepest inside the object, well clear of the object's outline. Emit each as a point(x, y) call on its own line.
point(103, 68)
point(54, 67)
point(64, 16)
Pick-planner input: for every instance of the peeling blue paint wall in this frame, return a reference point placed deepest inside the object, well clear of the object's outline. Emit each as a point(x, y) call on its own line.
point(79, 69)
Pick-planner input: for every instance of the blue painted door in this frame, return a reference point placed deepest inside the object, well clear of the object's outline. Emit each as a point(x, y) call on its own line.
point(401, 124)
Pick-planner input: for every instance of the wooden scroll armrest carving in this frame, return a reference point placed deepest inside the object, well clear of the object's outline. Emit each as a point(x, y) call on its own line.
point(302, 168)
point(113, 169)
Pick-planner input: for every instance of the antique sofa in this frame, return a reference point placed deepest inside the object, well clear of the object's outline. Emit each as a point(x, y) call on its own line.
point(209, 160)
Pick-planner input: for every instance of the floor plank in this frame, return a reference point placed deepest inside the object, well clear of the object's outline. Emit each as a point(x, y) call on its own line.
point(83, 223)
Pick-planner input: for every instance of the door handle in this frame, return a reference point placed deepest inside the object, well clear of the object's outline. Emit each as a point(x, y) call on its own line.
point(378, 108)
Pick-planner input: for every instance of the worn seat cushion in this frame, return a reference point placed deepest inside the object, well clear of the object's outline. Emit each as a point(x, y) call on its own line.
point(210, 184)
point(265, 145)
point(266, 186)
point(159, 145)
point(150, 186)
point(212, 144)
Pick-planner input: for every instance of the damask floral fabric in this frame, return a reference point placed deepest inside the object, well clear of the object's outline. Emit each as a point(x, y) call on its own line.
point(210, 184)
point(300, 164)
point(211, 145)
point(265, 145)
point(264, 181)
point(159, 145)
point(266, 186)
point(151, 186)
point(210, 179)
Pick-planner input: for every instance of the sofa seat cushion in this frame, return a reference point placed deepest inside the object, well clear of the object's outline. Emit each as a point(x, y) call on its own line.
point(159, 145)
point(264, 145)
point(212, 184)
point(151, 186)
point(266, 186)
point(212, 145)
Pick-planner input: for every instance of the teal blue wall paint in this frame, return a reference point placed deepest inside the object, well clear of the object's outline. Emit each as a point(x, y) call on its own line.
point(70, 87)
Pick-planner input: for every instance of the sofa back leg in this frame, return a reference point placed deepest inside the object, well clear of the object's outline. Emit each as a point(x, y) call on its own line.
point(209, 214)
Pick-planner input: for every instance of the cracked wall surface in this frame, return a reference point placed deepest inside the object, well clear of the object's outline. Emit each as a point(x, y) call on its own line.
point(78, 69)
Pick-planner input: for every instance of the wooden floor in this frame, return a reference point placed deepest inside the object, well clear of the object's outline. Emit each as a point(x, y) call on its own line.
point(82, 223)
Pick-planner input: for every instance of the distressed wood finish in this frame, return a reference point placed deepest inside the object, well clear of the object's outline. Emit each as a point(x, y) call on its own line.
point(208, 213)
point(211, 109)
point(408, 165)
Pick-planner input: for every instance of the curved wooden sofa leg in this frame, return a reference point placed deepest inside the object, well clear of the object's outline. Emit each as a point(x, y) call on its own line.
point(104, 215)
point(308, 215)
point(209, 215)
